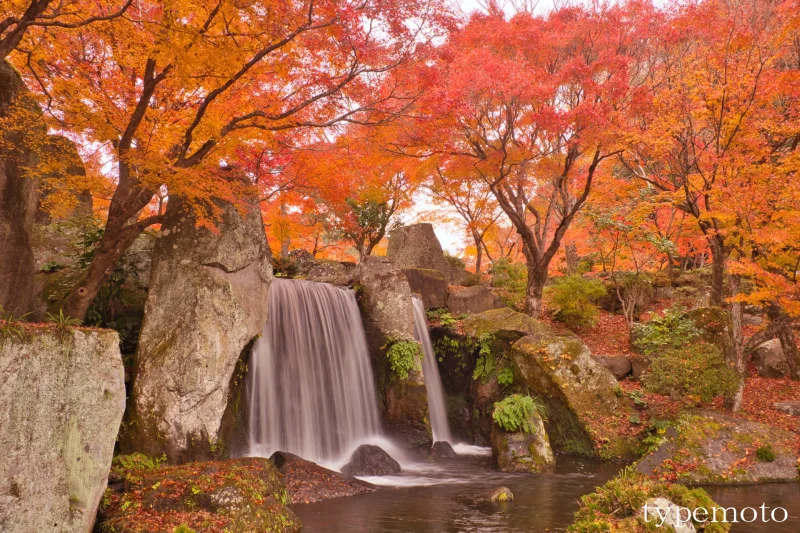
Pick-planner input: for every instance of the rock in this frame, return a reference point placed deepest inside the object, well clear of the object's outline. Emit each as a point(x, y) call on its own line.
point(619, 365)
point(416, 246)
point(501, 494)
point(62, 396)
point(790, 408)
point(663, 513)
point(331, 272)
point(462, 277)
point(442, 450)
point(709, 447)
point(429, 285)
point(237, 496)
point(385, 302)
point(371, 460)
point(303, 261)
point(308, 482)
point(473, 300)
point(585, 407)
point(505, 324)
point(751, 320)
point(771, 360)
point(207, 301)
point(522, 452)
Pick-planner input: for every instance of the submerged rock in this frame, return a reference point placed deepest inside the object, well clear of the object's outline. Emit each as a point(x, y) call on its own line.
point(586, 412)
point(207, 301)
point(307, 482)
point(708, 447)
point(62, 394)
point(519, 451)
point(236, 496)
point(501, 494)
point(442, 450)
point(371, 460)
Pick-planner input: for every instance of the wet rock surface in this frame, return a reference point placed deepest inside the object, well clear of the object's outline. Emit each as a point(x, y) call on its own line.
point(442, 450)
point(519, 451)
point(307, 482)
point(371, 460)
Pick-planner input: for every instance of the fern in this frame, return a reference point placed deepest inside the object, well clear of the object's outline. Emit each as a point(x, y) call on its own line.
point(514, 413)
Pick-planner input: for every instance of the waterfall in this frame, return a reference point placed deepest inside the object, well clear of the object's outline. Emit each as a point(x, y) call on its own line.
point(310, 386)
point(436, 407)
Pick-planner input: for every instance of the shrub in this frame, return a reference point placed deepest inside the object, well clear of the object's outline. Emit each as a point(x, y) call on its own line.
point(444, 317)
point(183, 528)
point(512, 280)
point(698, 369)
point(454, 261)
point(485, 364)
point(513, 412)
point(573, 298)
point(403, 356)
point(672, 331)
point(766, 454)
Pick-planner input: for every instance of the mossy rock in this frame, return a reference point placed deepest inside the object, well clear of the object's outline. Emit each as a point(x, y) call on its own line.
point(708, 447)
point(586, 410)
point(617, 505)
point(519, 451)
point(504, 323)
point(236, 496)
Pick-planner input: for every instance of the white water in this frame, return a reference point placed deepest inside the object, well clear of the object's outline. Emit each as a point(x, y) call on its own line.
point(436, 407)
point(310, 386)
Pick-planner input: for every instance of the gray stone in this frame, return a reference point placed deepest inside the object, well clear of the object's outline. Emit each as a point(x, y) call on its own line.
point(639, 365)
point(331, 272)
point(619, 365)
point(771, 360)
point(371, 460)
point(471, 300)
point(429, 285)
point(501, 494)
point(519, 451)
point(416, 246)
point(751, 320)
point(62, 396)
point(207, 301)
point(303, 260)
point(790, 408)
point(663, 513)
point(442, 450)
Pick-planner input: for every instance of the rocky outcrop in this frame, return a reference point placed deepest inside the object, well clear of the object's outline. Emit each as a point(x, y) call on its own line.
point(473, 300)
point(708, 447)
point(584, 404)
point(416, 246)
point(236, 496)
point(442, 450)
point(385, 302)
point(303, 261)
point(307, 482)
point(331, 272)
point(207, 301)
point(62, 397)
point(504, 323)
point(429, 285)
point(371, 460)
point(771, 360)
point(521, 451)
point(619, 365)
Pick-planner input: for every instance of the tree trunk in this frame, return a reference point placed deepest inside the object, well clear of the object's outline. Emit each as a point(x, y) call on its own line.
point(571, 253)
point(285, 239)
point(781, 325)
point(478, 251)
point(736, 356)
point(535, 287)
point(718, 257)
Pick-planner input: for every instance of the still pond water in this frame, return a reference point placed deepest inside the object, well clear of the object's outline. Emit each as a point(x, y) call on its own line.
point(452, 498)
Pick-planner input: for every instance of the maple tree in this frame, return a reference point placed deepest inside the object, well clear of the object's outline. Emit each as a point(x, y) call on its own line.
point(528, 105)
point(175, 87)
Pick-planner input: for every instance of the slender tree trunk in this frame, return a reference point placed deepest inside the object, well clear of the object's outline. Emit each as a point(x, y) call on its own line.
point(571, 253)
point(736, 356)
point(537, 276)
point(718, 258)
point(285, 238)
point(478, 251)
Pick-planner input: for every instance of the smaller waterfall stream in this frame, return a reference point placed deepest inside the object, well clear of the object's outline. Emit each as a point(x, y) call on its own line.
point(433, 382)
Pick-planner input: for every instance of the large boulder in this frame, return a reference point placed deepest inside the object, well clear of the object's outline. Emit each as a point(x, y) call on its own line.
point(303, 260)
point(386, 307)
point(442, 450)
point(62, 396)
point(371, 460)
point(586, 412)
point(504, 323)
point(771, 360)
point(619, 365)
point(207, 301)
point(519, 451)
point(307, 482)
point(236, 496)
point(708, 447)
point(429, 285)
point(332, 272)
point(416, 246)
point(472, 300)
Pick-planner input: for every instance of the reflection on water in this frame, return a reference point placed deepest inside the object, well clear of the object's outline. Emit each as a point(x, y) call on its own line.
point(452, 497)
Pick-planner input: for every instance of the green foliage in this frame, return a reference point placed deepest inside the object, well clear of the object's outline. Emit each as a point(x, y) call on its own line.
point(573, 298)
point(485, 364)
point(402, 355)
point(454, 261)
point(52, 266)
point(10, 325)
point(673, 330)
point(638, 398)
point(183, 528)
point(62, 321)
point(442, 316)
point(617, 505)
point(125, 465)
point(655, 436)
point(698, 369)
point(766, 454)
point(513, 412)
point(505, 377)
point(512, 279)
point(284, 267)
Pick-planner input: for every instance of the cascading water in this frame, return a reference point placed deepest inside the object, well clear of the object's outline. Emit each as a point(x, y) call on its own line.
point(436, 407)
point(310, 386)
